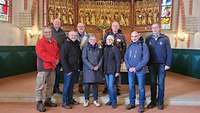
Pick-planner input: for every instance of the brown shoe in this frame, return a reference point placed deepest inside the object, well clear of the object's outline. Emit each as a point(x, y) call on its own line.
point(40, 106)
point(49, 103)
point(161, 107)
point(128, 107)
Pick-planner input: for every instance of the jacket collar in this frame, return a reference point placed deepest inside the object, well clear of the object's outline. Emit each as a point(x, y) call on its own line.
point(46, 40)
point(56, 30)
point(160, 35)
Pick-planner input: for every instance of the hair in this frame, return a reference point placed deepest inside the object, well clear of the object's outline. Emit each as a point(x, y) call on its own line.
point(45, 27)
point(111, 37)
point(92, 35)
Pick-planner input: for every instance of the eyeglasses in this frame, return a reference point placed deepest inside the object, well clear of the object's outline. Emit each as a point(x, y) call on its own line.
point(81, 26)
point(134, 36)
point(47, 32)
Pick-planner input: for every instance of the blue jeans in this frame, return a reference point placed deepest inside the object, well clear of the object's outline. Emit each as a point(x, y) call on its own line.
point(75, 75)
point(141, 86)
point(110, 81)
point(57, 78)
point(157, 73)
point(67, 89)
point(94, 90)
point(69, 81)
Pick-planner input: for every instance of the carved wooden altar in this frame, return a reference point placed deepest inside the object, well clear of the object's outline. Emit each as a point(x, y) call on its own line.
point(98, 14)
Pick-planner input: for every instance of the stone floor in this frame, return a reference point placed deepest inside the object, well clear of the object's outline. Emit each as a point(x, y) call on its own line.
point(182, 96)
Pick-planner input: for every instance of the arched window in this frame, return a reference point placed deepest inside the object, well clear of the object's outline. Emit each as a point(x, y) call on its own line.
point(166, 14)
point(5, 10)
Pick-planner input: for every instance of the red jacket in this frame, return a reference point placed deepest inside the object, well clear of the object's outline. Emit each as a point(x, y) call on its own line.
point(47, 54)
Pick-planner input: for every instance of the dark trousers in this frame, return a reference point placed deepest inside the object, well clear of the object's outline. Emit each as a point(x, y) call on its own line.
point(94, 90)
point(69, 81)
point(58, 77)
point(157, 77)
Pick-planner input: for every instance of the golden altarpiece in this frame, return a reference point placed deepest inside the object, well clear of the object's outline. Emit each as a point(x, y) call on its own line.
point(98, 14)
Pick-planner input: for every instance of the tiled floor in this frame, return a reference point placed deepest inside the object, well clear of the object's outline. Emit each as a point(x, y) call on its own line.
point(178, 88)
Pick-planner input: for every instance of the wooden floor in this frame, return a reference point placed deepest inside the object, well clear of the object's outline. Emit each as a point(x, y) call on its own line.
point(182, 96)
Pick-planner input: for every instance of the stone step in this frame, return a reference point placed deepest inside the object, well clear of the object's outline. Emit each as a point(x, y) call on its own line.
point(122, 99)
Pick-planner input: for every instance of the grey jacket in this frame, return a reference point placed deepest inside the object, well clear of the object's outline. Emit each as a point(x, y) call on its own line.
point(92, 56)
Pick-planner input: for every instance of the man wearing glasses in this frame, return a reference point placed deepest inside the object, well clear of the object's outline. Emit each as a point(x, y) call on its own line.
point(47, 58)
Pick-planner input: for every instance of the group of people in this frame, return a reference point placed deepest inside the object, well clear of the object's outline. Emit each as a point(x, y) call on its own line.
point(83, 60)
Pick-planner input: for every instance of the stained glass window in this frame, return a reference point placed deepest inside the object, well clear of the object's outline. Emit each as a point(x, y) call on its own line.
point(4, 10)
point(166, 14)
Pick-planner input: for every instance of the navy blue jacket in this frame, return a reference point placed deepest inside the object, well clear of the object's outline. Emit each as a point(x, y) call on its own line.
point(111, 59)
point(160, 49)
point(137, 55)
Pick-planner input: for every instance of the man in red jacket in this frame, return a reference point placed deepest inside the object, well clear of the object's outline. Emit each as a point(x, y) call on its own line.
point(47, 58)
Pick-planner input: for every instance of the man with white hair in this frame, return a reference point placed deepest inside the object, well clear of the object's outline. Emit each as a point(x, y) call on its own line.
point(47, 58)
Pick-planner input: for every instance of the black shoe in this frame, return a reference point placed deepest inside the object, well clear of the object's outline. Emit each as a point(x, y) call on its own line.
point(40, 106)
point(108, 103)
point(74, 102)
point(141, 109)
point(129, 106)
point(66, 106)
point(161, 107)
point(49, 103)
point(114, 106)
point(151, 105)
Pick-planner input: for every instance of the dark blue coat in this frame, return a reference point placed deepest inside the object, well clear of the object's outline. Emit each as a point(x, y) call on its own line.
point(160, 49)
point(137, 55)
point(92, 56)
point(111, 56)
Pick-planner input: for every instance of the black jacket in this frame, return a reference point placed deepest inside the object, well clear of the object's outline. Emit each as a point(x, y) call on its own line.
point(119, 42)
point(111, 56)
point(59, 35)
point(70, 56)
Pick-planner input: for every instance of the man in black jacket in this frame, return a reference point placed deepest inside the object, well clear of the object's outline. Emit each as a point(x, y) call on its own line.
point(70, 59)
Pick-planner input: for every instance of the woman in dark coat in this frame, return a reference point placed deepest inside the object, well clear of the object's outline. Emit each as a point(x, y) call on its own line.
point(92, 68)
point(111, 56)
